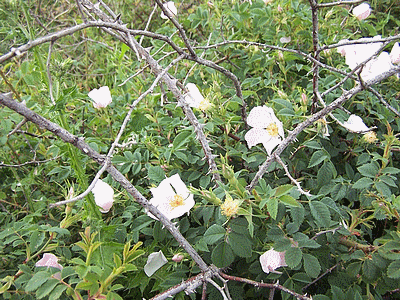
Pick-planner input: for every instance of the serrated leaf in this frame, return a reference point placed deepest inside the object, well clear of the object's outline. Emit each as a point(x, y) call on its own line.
point(311, 265)
point(222, 255)
point(370, 271)
point(293, 257)
point(272, 207)
point(393, 270)
point(214, 234)
point(240, 244)
point(283, 190)
point(317, 158)
point(181, 139)
point(289, 201)
point(56, 293)
point(37, 280)
point(321, 213)
point(46, 288)
point(369, 170)
point(156, 173)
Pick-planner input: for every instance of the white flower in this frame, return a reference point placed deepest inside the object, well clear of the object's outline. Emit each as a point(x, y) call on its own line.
point(376, 66)
point(395, 54)
point(170, 5)
point(362, 11)
point(195, 99)
point(103, 195)
point(101, 97)
point(49, 260)
point(355, 124)
point(155, 261)
point(358, 53)
point(267, 129)
point(285, 39)
point(172, 198)
point(272, 260)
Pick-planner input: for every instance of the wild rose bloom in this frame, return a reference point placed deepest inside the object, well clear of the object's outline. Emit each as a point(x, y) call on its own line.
point(101, 97)
point(49, 260)
point(230, 207)
point(170, 5)
point(395, 54)
point(355, 124)
point(272, 260)
point(267, 129)
point(358, 53)
point(103, 195)
point(362, 11)
point(172, 198)
point(155, 261)
point(195, 99)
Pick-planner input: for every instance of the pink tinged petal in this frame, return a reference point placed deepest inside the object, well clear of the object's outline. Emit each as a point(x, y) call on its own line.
point(377, 66)
point(342, 49)
point(101, 97)
point(355, 124)
point(261, 117)
point(170, 5)
point(177, 258)
point(103, 195)
point(362, 11)
point(395, 54)
point(154, 262)
point(256, 136)
point(49, 260)
point(272, 260)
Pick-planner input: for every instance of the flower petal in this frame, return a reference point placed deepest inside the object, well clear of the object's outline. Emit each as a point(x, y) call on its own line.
point(256, 136)
point(395, 53)
point(261, 117)
point(271, 144)
point(193, 97)
point(49, 260)
point(355, 124)
point(170, 5)
point(101, 97)
point(272, 260)
point(154, 262)
point(103, 195)
point(362, 11)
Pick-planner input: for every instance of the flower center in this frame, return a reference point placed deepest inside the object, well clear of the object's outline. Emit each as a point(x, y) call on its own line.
point(229, 207)
point(272, 130)
point(176, 201)
point(204, 105)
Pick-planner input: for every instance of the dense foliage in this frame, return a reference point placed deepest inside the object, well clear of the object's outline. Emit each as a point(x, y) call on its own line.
point(340, 231)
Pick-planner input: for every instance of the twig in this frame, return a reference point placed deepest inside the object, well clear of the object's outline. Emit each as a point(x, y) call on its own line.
point(49, 74)
point(320, 276)
point(221, 290)
point(344, 2)
point(19, 125)
point(266, 285)
point(148, 22)
point(34, 162)
point(294, 181)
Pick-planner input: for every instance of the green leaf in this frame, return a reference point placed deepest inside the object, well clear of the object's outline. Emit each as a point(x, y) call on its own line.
point(272, 207)
point(370, 271)
point(214, 234)
point(46, 288)
point(311, 265)
point(283, 190)
point(393, 270)
point(56, 293)
point(317, 158)
point(222, 255)
point(156, 173)
point(181, 139)
point(293, 257)
point(369, 170)
point(289, 201)
point(37, 280)
point(240, 244)
point(321, 213)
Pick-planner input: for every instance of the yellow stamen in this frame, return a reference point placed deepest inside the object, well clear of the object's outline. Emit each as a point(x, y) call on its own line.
point(229, 207)
point(176, 201)
point(370, 137)
point(204, 105)
point(272, 129)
